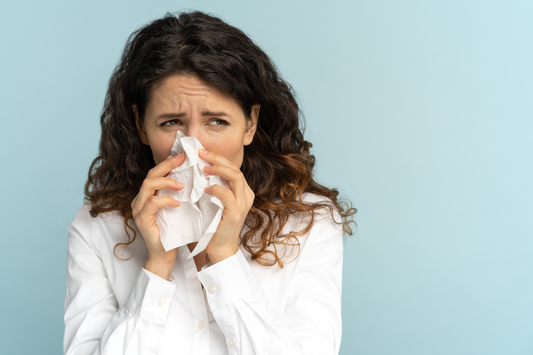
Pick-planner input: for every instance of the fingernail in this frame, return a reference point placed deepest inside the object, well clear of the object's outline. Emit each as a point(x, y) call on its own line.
point(179, 184)
point(179, 155)
point(203, 151)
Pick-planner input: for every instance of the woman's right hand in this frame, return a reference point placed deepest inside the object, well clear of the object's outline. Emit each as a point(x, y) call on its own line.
point(144, 207)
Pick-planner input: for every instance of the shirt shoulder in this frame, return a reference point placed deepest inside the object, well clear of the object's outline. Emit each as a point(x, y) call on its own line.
point(94, 230)
point(83, 216)
point(327, 216)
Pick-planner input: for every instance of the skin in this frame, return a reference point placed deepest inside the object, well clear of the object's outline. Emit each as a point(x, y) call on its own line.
point(188, 104)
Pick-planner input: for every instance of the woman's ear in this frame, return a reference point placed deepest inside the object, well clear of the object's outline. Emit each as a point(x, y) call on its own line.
point(252, 125)
point(140, 126)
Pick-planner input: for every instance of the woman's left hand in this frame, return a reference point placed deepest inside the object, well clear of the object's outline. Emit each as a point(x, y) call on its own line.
point(237, 201)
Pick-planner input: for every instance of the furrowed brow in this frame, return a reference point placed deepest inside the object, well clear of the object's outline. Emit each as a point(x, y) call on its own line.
point(170, 115)
point(217, 114)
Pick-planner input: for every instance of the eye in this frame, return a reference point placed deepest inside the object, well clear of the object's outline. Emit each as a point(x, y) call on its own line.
point(219, 122)
point(170, 123)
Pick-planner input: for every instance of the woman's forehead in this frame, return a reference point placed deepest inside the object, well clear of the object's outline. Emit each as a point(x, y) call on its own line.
point(184, 92)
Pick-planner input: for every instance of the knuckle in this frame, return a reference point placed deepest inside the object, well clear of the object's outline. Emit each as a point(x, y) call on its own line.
point(149, 202)
point(227, 192)
point(134, 209)
point(145, 184)
point(138, 219)
point(151, 173)
point(132, 205)
point(238, 175)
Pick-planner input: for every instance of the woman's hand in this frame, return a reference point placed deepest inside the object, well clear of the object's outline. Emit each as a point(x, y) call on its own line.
point(144, 207)
point(237, 201)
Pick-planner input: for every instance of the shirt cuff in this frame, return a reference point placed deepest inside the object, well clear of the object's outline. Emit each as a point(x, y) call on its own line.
point(150, 297)
point(228, 280)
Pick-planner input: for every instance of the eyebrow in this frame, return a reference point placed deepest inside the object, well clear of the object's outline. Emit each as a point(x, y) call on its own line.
point(181, 114)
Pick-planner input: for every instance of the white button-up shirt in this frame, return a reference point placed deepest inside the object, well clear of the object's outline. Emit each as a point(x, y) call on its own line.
point(117, 307)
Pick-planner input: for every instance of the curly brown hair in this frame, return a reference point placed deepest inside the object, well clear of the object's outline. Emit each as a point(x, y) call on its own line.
point(277, 165)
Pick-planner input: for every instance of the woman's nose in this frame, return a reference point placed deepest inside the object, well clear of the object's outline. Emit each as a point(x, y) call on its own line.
point(196, 132)
point(191, 131)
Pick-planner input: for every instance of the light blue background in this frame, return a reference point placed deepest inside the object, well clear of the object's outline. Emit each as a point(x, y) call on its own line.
point(421, 112)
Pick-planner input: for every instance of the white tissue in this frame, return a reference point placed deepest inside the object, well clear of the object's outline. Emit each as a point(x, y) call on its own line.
point(197, 219)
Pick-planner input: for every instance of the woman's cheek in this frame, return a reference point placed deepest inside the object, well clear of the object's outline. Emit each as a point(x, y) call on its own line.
point(161, 150)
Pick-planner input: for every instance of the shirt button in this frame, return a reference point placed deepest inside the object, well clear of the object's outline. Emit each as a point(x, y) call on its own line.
point(201, 325)
point(161, 302)
point(212, 289)
point(231, 343)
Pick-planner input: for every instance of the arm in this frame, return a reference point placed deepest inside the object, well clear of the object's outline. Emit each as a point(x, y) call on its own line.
point(94, 323)
point(311, 322)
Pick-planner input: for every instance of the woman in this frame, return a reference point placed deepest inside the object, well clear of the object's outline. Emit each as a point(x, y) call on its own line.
point(269, 281)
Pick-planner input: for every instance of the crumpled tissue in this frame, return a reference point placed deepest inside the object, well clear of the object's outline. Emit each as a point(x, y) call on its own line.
point(197, 219)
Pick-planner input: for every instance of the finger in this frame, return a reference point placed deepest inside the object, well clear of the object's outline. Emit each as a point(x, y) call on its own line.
point(151, 207)
point(225, 195)
point(151, 185)
point(163, 168)
point(235, 177)
point(215, 159)
point(149, 188)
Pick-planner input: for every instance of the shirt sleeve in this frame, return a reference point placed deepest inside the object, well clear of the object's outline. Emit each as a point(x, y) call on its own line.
point(311, 322)
point(94, 323)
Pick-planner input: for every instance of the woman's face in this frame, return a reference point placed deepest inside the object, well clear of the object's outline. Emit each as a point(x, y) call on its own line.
point(188, 104)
